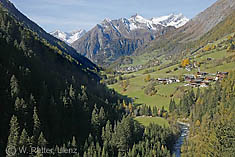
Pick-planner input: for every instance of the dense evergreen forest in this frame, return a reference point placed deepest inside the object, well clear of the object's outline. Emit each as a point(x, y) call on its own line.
point(50, 100)
point(211, 116)
point(41, 85)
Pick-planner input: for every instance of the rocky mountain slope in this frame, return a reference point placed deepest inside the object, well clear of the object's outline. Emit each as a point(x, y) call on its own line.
point(111, 39)
point(186, 36)
point(208, 19)
point(70, 37)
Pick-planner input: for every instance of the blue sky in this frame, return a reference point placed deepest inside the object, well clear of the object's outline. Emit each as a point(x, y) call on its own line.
point(68, 15)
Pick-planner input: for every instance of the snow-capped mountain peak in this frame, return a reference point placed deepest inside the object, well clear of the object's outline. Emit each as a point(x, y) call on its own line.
point(134, 22)
point(59, 34)
point(176, 20)
point(139, 22)
point(68, 37)
point(138, 18)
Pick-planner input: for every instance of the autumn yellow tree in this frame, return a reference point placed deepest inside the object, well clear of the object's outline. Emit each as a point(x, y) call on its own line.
point(147, 78)
point(213, 46)
point(124, 84)
point(198, 123)
point(185, 62)
point(229, 38)
point(207, 48)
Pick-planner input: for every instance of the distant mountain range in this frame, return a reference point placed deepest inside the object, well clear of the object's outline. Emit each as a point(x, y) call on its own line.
point(135, 22)
point(172, 34)
point(111, 39)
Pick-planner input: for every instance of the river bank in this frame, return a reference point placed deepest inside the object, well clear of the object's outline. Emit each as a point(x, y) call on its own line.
point(184, 129)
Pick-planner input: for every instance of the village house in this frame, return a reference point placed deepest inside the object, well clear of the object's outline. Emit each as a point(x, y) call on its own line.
point(168, 81)
point(203, 79)
point(221, 75)
point(162, 80)
point(202, 73)
point(189, 78)
point(210, 79)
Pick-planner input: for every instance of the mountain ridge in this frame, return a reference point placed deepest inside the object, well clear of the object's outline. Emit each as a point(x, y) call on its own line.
point(110, 39)
point(183, 38)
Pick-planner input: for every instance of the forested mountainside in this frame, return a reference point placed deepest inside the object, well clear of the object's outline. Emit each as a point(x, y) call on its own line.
point(42, 84)
point(49, 100)
point(204, 24)
point(43, 34)
point(211, 116)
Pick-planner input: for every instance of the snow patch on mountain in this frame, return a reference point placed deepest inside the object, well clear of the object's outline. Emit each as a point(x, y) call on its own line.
point(133, 23)
point(68, 37)
point(171, 20)
point(139, 22)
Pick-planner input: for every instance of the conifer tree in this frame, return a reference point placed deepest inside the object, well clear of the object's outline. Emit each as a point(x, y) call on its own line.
point(32, 100)
point(172, 105)
point(42, 142)
point(13, 137)
point(20, 105)
point(36, 126)
point(120, 154)
point(85, 154)
point(72, 92)
point(17, 104)
point(74, 143)
point(104, 153)
point(107, 133)
point(102, 117)
point(133, 152)
point(14, 86)
point(24, 139)
point(37, 123)
point(84, 96)
point(95, 120)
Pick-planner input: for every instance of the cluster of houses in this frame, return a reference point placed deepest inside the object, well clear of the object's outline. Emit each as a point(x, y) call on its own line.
point(203, 79)
point(168, 80)
point(130, 69)
point(136, 68)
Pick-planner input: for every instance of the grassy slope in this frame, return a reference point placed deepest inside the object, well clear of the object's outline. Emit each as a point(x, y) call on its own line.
point(156, 120)
point(162, 98)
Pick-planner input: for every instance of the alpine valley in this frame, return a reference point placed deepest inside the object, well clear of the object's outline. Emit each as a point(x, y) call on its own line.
point(130, 87)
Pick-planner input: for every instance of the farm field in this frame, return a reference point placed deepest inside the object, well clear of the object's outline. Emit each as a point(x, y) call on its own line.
point(155, 120)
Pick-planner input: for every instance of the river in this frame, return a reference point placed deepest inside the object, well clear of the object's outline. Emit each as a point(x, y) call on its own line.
point(184, 127)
